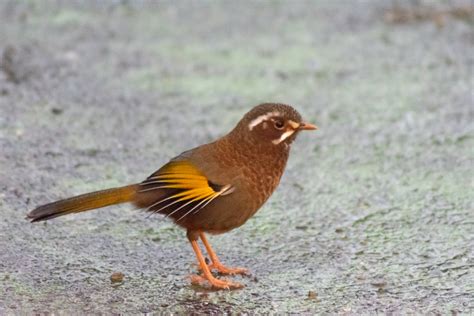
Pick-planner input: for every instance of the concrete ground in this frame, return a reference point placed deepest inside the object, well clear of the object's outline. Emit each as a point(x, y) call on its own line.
point(373, 215)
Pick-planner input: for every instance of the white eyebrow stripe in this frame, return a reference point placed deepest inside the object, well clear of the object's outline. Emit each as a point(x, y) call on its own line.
point(262, 118)
point(283, 136)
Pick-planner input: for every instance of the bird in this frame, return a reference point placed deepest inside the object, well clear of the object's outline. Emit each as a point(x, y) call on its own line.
point(210, 189)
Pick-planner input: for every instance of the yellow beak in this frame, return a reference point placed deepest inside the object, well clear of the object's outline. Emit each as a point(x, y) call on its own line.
point(307, 126)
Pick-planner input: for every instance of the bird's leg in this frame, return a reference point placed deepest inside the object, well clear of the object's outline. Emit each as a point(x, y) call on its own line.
point(207, 275)
point(216, 264)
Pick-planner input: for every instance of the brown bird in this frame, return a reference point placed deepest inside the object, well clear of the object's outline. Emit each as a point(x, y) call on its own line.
point(212, 188)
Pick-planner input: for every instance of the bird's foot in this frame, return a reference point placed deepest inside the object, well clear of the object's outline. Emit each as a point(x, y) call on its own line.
point(214, 282)
point(222, 269)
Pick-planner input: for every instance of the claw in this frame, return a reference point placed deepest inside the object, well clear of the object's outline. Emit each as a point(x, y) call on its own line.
point(215, 283)
point(227, 270)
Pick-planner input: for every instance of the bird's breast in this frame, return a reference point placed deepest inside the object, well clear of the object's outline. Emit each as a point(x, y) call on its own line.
point(253, 177)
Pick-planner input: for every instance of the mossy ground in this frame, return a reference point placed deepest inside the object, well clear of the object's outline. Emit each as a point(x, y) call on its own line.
point(374, 213)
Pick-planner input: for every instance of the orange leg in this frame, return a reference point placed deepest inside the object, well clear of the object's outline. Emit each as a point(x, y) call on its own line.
point(216, 264)
point(207, 275)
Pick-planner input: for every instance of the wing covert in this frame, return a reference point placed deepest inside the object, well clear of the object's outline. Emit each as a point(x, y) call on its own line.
point(187, 189)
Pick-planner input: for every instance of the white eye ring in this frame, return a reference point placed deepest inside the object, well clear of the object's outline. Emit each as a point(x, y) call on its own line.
point(279, 124)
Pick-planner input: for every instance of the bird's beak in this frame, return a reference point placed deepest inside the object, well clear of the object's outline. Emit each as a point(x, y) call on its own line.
point(307, 126)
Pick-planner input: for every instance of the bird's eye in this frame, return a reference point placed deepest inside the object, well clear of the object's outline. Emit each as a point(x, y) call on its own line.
point(279, 124)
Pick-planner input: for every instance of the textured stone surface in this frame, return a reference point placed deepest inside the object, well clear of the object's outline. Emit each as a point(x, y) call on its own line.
point(374, 213)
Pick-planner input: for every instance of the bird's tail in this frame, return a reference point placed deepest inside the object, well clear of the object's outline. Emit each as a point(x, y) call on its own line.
point(84, 202)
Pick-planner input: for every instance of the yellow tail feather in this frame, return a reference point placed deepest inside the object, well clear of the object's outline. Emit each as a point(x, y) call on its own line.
point(84, 202)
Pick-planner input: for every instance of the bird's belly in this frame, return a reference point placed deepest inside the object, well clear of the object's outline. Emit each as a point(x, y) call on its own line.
point(221, 215)
point(252, 187)
point(227, 212)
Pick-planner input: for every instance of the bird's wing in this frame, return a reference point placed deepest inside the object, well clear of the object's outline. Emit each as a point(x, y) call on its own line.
point(186, 189)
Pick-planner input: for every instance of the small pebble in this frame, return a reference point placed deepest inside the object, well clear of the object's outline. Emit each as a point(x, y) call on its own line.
point(116, 277)
point(312, 295)
point(56, 111)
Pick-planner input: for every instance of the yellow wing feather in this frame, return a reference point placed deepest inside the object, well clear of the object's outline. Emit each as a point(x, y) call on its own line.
point(184, 176)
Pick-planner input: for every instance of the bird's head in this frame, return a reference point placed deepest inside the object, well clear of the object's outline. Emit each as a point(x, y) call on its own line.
point(272, 124)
